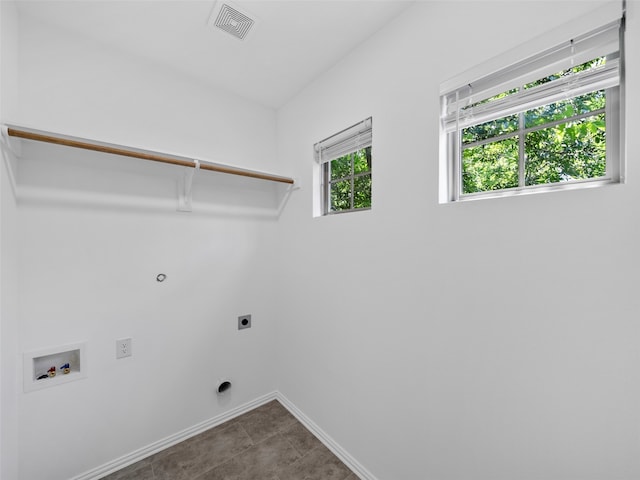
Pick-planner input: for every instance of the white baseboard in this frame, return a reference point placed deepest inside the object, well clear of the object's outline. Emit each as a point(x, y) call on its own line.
point(171, 440)
point(329, 442)
point(142, 453)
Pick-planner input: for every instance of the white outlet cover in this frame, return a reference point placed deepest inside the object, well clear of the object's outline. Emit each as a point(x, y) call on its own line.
point(124, 347)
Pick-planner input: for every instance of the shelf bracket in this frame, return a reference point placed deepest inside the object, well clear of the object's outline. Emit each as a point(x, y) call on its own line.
point(285, 198)
point(11, 151)
point(14, 145)
point(185, 191)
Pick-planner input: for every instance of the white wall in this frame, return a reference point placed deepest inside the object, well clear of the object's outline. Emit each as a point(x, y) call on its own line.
point(9, 360)
point(495, 339)
point(91, 243)
point(9, 373)
point(76, 86)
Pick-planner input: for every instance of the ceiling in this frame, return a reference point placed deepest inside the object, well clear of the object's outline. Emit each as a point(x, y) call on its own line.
point(292, 42)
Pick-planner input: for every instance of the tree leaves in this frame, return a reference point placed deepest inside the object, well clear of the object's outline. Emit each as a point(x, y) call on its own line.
point(350, 181)
point(492, 166)
point(561, 152)
point(570, 151)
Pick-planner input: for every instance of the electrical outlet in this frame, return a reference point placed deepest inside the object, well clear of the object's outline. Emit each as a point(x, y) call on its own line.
point(123, 348)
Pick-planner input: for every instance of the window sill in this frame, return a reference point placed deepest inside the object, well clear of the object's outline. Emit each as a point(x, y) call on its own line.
point(518, 191)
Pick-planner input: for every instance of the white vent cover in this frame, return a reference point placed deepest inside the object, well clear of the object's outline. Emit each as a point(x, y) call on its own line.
point(231, 20)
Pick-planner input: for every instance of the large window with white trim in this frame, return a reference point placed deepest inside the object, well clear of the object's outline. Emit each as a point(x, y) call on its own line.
point(345, 169)
point(549, 121)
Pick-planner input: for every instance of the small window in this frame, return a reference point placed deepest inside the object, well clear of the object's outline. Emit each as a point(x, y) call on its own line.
point(345, 161)
point(549, 121)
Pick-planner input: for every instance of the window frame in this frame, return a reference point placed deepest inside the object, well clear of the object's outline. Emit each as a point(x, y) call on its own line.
point(452, 148)
point(345, 143)
point(327, 182)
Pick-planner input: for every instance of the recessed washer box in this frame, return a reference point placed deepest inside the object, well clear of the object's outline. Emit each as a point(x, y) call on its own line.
point(54, 366)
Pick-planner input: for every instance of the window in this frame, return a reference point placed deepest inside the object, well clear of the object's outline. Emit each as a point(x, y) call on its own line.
point(345, 164)
point(548, 121)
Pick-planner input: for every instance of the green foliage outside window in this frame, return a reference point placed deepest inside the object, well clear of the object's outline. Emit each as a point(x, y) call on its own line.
point(492, 166)
point(554, 150)
point(569, 151)
point(349, 186)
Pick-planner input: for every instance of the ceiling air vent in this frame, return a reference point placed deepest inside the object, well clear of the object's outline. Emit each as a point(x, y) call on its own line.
point(231, 20)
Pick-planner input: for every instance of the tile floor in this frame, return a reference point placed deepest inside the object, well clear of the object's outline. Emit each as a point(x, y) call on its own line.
point(267, 443)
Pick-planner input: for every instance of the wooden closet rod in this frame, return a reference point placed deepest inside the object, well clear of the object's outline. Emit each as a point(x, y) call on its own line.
point(126, 152)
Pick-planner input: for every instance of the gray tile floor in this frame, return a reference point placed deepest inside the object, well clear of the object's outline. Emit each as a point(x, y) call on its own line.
point(267, 443)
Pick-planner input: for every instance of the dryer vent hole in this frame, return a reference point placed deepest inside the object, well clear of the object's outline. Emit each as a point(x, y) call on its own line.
point(224, 386)
point(244, 321)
